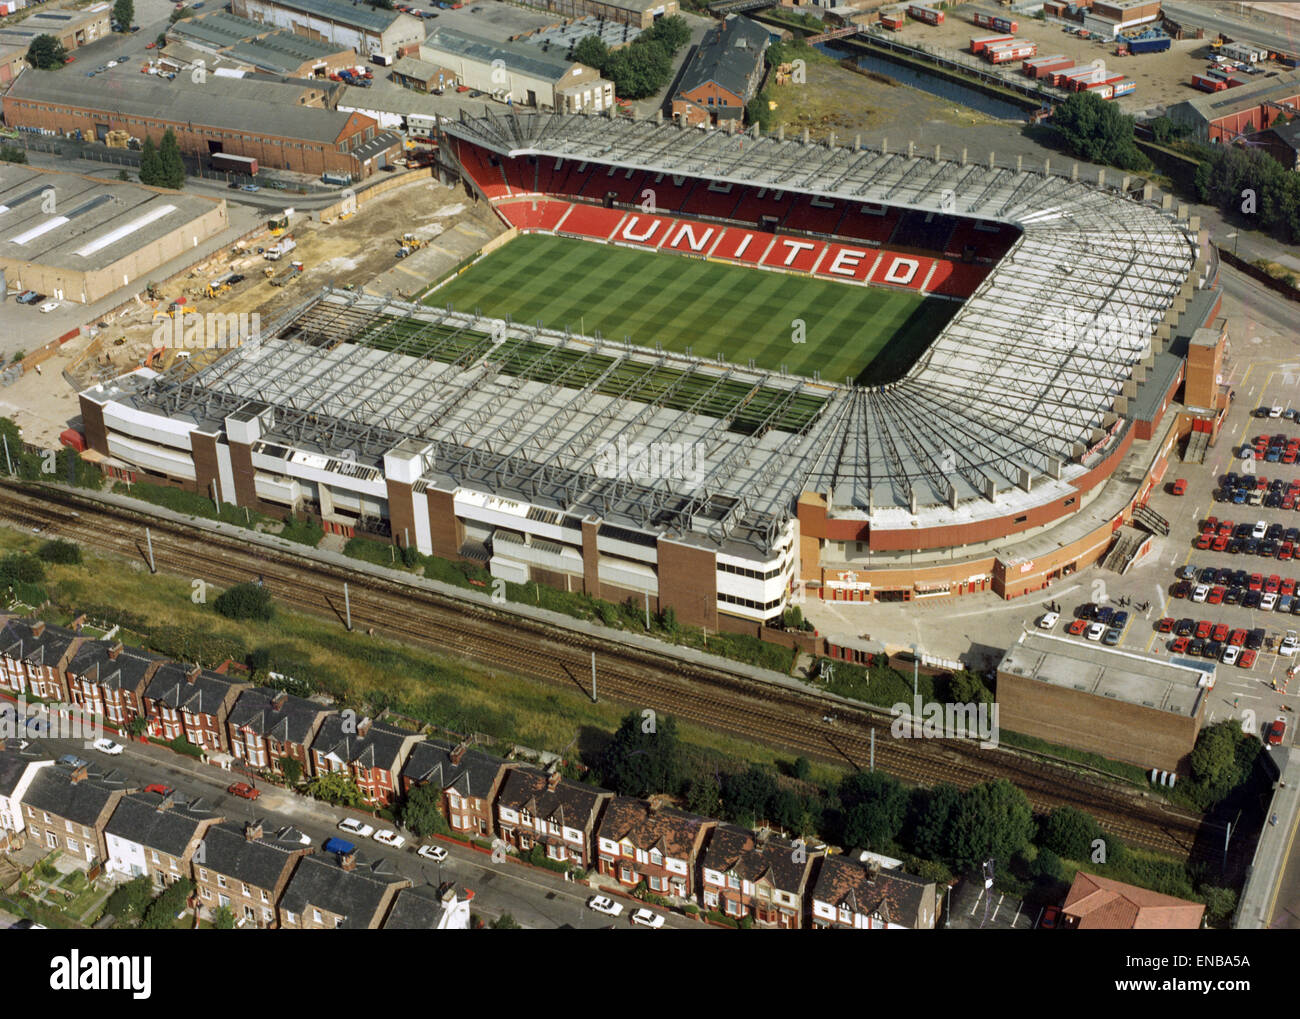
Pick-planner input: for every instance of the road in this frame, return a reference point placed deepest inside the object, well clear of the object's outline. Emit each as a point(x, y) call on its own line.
point(536, 898)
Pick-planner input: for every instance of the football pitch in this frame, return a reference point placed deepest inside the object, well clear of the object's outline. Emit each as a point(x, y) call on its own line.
point(870, 334)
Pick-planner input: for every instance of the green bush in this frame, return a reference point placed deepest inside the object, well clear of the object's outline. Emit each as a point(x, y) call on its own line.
point(65, 553)
point(245, 601)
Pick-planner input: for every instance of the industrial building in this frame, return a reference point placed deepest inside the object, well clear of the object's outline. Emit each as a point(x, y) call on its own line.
point(421, 76)
point(1226, 116)
point(356, 26)
point(518, 73)
point(72, 28)
point(1122, 705)
point(1106, 18)
point(964, 475)
point(639, 13)
point(723, 73)
point(80, 238)
point(246, 45)
point(280, 123)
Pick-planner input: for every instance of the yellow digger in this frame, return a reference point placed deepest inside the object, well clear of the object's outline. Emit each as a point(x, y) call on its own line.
point(409, 243)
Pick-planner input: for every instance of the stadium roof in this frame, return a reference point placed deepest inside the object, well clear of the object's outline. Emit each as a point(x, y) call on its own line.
point(1013, 401)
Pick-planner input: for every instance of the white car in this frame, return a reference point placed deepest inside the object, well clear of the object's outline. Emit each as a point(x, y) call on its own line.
point(111, 63)
point(388, 837)
point(1096, 630)
point(1275, 411)
point(49, 306)
point(1268, 602)
point(107, 746)
point(1259, 530)
point(1230, 655)
point(606, 905)
point(354, 827)
point(435, 853)
point(1288, 645)
point(1201, 593)
point(1048, 620)
point(646, 918)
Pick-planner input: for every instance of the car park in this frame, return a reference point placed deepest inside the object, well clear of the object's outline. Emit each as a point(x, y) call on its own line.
point(1182, 589)
point(390, 838)
point(1085, 610)
point(1077, 627)
point(1212, 650)
point(354, 827)
point(1203, 542)
point(647, 918)
point(1285, 603)
point(1251, 600)
point(1220, 632)
point(435, 853)
point(1259, 530)
point(604, 904)
point(1187, 572)
point(1268, 602)
point(1196, 648)
point(1220, 544)
point(1104, 615)
point(1256, 582)
point(1215, 596)
point(1272, 583)
point(1255, 639)
point(1237, 638)
point(106, 746)
point(1233, 596)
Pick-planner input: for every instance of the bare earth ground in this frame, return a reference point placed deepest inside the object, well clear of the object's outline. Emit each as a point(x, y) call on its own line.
point(361, 250)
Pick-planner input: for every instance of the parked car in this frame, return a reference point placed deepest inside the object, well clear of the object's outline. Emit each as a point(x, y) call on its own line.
point(106, 746)
point(647, 918)
point(340, 846)
point(1230, 655)
point(1247, 659)
point(1077, 627)
point(72, 761)
point(1048, 619)
point(1051, 915)
point(160, 789)
point(1180, 486)
point(435, 853)
point(1165, 625)
point(1112, 637)
point(251, 188)
point(390, 838)
point(1096, 631)
point(49, 306)
point(604, 904)
point(1289, 644)
point(28, 297)
point(1276, 731)
point(244, 790)
point(354, 827)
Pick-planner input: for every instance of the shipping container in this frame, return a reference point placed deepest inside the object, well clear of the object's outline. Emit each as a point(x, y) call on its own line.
point(927, 14)
point(1042, 67)
point(1123, 88)
point(1102, 91)
point(234, 164)
point(1206, 84)
point(893, 22)
point(978, 45)
point(994, 22)
point(1149, 45)
point(1010, 54)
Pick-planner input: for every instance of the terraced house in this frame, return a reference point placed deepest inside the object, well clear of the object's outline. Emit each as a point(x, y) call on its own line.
point(267, 726)
point(17, 770)
point(104, 678)
point(372, 753)
point(335, 892)
point(469, 780)
point(852, 895)
point(152, 834)
point(186, 700)
point(33, 657)
point(638, 840)
point(744, 874)
point(536, 808)
point(67, 808)
point(245, 871)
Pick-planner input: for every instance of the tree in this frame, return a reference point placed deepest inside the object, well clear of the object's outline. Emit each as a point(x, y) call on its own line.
point(505, 922)
point(1096, 130)
point(291, 768)
point(124, 13)
point(802, 769)
point(129, 901)
point(150, 171)
point(1070, 833)
point(170, 164)
point(335, 787)
point(591, 51)
point(746, 793)
point(422, 812)
point(703, 795)
point(935, 811)
point(12, 154)
point(60, 551)
point(785, 810)
point(245, 601)
point(161, 914)
point(994, 820)
point(46, 53)
point(223, 919)
point(1214, 756)
point(673, 32)
point(643, 758)
point(877, 808)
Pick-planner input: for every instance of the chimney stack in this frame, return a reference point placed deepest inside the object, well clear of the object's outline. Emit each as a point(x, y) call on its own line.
point(363, 727)
point(458, 752)
point(38, 627)
point(192, 674)
point(114, 651)
point(348, 861)
point(78, 774)
point(253, 831)
point(279, 700)
point(553, 781)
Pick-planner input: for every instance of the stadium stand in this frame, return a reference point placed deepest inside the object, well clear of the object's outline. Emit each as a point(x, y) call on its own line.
point(814, 215)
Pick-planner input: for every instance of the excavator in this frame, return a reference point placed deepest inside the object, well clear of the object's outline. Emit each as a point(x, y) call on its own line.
point(408, 243)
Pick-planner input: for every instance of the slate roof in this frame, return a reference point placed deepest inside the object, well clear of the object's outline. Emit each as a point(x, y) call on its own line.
point(570, 803)
point(732, 849)
point(727, 55)
point(290, 723)
point(673, 832)
point(204, 696)
point(257, 862)
point(1098, 903)
point(83, 802)
point(138, 818)
point(132, 665)
point(415, 909)
point(18, 642)
point(380, 747)
point(893, 895)
point(320, 882)
point(12, 765)
point(474, 776)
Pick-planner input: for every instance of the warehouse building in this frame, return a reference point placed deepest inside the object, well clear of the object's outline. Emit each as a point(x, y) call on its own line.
point(280, 123)
point(638, 13)
point(80, 238)
point(244, 44)
point(1106, 18)
point(518, 73)
point(72, 28)
point(13, 61)
point(1224, 116)
point(357, 26)
point(421, 76)
point(723, 73)
point(1123, 705)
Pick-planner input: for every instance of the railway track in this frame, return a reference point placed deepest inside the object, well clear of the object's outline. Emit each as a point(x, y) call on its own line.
point(776, 716)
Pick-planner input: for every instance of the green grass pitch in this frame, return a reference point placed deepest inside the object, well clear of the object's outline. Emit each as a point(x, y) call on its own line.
point(870, 334)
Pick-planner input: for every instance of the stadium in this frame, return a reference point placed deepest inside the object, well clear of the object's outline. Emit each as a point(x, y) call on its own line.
point(720, 372)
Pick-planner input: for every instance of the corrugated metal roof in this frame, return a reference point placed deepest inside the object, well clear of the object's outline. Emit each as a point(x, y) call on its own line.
point(517, 56)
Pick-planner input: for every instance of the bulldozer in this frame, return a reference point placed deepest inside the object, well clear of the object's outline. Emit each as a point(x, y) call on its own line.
point(408, 243)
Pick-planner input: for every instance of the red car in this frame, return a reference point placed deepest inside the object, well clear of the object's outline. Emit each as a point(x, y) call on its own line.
point(1076, 628)
point(245, 790)
point(1256, 581)
point(1287, 551)
point(1288, 586)
point(1215, 597)
point(1165, 625)
point(1237, 638)
point(1210, 524)
point(1272, 584)
point(1289, 456)
point(161, 790)
point(1180, 486)
point(1179, 645)
point(1226, 528)
point(1051, 915)
point(1288, 501)
point(1204, 542)
point(1247, 659)
point(1203, 629)
point(1220, 633)
point(1220, 544)
point(1276, 731)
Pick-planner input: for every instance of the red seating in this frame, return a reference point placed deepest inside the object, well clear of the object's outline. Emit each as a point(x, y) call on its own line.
point(908, 271)
point(954, 279)
point(642, 228)
point(794, 253)
point(742, 245)
point(815, 215)
point(869, 223)
point(845, 262)
point(521, 175)
point(693, 237)
point(592, 221)
point(534, 214)
point(572, 178)
point(670, 192)
point(478, 165)
point(758, 202)
point(707, 200)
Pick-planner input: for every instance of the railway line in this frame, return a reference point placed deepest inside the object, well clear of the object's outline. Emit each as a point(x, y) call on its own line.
point(791, 720)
